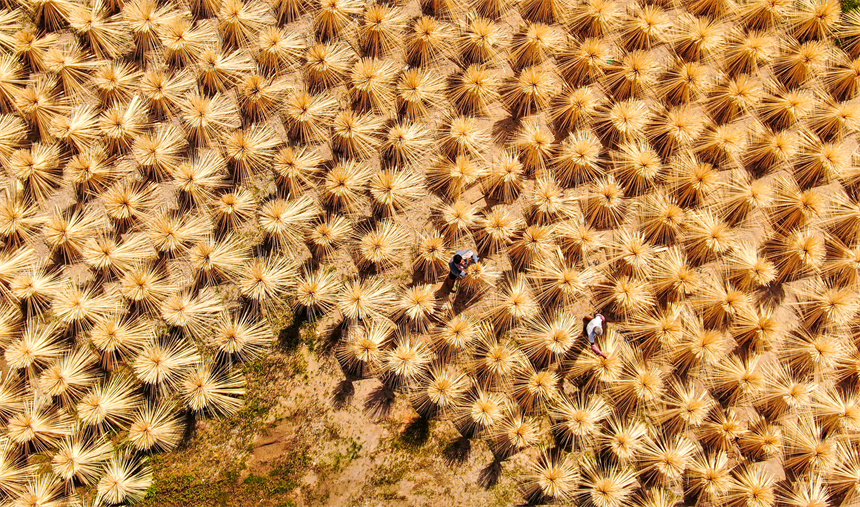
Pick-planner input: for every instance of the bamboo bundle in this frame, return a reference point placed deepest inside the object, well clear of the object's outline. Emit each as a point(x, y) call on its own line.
point(578, 159)
point(785, 108)
point(381, 30)
point(355, 135)
point(764, 14)
point(578, 240)
point(801, 63)
point(534, 44)
point(606, 207)
point(637, 167)
point(534, 390)
point(757, 329)
point(699, 348)
point(696, 38)
point(819, 162)
point(641, 386)
point(534, 143)
point(432, 258)
point(598, 372)
point(686, 407)
point(743, 197)
point(444, 9)
point(480, 41)
point(795, 208)
point(531, 246)
point(709, 474)
point(362, 353)
point(372, 85)
point(456, 336)
point(770, 151)
point(393, 192)
point(549, 203)
point(493, 9)
point(813, 352)
point(316, 292)
point(808, 448)
point(752, 486)
point(785, 391)
point(673, 278)
point(496, 361)
point(658, 330)
point(277, 49)
point(622, 121)
point(530, 91)
point(418, 92)
point(558, 282)
point(578, 420)
point(633, 76)
point(573, 108)
point(621, 439)
point(664, 460)
point(544, 11)
point(644, 26)
point(475, 89)
point(662, 220)
point(722, 145)
point(457, 220)
point(481, 414)
point(512, 434)
point(514, 304)
point(380, 246)
point(359, 300)
point(763, 440)
point(326, 65)
point(674, 129)
point(548, 339)
point(684, 82)
point(718, 303)
point(797, 254)
point(842, 80)
point(827, 306)
point(497, 229)
point(707, 237)
point(747, 269)
point(604, 485)
point(841, 264)
point(479, 278)
point(334, 17)
point(583, 62)
point(748, 52)
point(734, 98)
point(594, 18)
point(328, 235)
point(505, 179)
point(440, 391)
point(814, 19)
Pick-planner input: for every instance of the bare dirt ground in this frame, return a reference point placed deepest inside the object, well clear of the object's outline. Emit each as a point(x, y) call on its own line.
point(307, 437)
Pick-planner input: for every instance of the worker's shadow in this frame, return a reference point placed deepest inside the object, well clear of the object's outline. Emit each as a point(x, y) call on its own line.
point(457, 301)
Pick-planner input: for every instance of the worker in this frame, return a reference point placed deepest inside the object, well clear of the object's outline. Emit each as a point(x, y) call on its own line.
point(594, 330)
point(459, 263)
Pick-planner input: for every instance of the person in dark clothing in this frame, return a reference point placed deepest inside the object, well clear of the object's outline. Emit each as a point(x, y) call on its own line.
point(459, 263)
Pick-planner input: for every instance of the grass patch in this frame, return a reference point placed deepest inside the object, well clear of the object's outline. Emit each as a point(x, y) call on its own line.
point(207, 472)
point(342, 458)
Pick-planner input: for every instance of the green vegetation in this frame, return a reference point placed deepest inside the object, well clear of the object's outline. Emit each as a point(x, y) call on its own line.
point(850, 5)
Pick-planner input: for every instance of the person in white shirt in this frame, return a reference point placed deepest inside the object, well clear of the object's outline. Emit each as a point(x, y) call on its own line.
point(593, 330)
